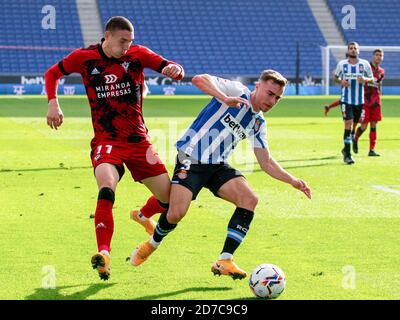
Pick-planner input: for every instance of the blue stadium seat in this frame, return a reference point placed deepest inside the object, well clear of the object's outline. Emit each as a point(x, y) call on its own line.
point(221, 37)
point(225, 37)
point(376, 25)
point(27, 15)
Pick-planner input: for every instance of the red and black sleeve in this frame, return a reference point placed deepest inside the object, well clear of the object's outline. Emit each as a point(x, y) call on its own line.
point(154, 61)
point(66, 66)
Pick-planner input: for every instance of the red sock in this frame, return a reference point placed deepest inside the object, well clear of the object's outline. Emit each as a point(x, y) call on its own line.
point(152, 207)
point(334, 104)
point(372, 140)
point(104, 223)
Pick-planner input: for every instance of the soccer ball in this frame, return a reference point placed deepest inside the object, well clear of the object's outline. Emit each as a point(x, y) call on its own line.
point(267, 281)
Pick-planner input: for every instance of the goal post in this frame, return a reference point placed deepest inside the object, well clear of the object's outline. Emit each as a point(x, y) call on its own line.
point(331, 55)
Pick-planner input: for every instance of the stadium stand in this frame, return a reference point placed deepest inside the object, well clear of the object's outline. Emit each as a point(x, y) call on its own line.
point(371, 26)
point(21, 23)
point(226, 37)
point(376, 25)
point(223, 37)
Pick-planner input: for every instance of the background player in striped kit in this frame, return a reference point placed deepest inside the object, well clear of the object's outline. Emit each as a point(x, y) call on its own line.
point(352, 74)
point(234, 114)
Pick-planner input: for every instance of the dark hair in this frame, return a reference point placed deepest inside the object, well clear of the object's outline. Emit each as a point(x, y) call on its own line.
point(273, 75)
point(354, 43)
point(377, 50)
point(118, 23)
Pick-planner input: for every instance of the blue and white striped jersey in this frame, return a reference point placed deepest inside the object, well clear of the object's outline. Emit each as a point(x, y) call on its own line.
point(219, 128)
point(353, 94)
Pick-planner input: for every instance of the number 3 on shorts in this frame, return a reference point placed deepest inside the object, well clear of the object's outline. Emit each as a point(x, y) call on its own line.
point(343, 107)
point(362, 117)
point(186, 164)
point(108, 148)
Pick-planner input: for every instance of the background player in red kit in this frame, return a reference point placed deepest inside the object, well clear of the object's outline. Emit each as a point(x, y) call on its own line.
point(333, 104)
point(372, 112)
point(112, 72)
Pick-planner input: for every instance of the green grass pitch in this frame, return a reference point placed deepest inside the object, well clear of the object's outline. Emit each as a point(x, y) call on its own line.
point(343, 244)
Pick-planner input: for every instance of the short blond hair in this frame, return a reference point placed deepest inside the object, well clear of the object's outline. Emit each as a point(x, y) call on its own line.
point(273, 75)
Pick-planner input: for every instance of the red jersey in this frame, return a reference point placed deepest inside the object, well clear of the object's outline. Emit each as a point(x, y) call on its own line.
point(373, 92)
point(114, 88)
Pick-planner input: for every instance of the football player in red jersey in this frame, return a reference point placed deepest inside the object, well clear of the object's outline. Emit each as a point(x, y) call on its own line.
point(112, 72)
point(372, 108)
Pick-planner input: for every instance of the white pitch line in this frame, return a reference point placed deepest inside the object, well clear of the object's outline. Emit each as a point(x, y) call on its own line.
point(387, 189)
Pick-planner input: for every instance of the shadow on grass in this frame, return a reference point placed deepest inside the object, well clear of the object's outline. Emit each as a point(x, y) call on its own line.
point(308, 166)
point(295, 124)
point(310, 159)
point(43, 169)
point(387, 139)
point(251, 298)
point(294, 167)
point(58, 294)
point(174, 293)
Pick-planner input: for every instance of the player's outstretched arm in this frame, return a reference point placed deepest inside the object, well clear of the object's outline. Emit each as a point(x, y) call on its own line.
point(55, 116)
point(204, 82)
point(273, 168)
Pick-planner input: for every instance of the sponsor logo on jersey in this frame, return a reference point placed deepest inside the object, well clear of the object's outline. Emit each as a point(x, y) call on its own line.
point(113, 90)
point(233, 126)
point(110, 78)
point(352, 76)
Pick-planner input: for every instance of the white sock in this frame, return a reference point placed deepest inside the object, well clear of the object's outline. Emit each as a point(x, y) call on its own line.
point(141, 216)
point(153, 243)
point(105, 252)
point(225, 256)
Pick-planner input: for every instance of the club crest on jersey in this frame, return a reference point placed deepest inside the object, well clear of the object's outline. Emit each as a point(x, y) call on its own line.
point(110, 78)
point(125, 65)
point(361, 68)
point(257, 125)
point(182, 174)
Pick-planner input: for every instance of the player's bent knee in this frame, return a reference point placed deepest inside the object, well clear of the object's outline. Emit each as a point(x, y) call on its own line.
point(162, 197)
point(248, 202)
point(175, 215)
point(253, 201)
point(110, 184)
